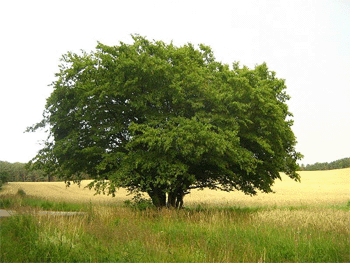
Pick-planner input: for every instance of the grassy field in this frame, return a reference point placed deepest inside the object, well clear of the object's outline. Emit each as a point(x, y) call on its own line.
point(301, 222)
point(316, 187)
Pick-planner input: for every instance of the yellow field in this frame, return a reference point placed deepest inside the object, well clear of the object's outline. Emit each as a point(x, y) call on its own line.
point(316, 187)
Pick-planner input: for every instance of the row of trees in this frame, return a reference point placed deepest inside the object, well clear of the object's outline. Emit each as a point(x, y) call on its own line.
point(338, 164)
point(18, 172)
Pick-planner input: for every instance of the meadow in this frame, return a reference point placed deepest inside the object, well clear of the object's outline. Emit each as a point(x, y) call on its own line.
point(300, 222)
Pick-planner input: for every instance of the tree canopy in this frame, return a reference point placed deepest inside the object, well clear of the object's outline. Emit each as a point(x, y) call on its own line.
point(162, 119)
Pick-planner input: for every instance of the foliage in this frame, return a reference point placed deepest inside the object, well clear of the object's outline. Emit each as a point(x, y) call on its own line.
point(4, 177)
point(139, 202)
point(21, 192)
point(338, 164)
point(162, 119)
point(18, 172)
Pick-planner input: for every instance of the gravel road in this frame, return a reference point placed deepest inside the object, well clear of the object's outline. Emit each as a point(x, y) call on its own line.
point(7, 213)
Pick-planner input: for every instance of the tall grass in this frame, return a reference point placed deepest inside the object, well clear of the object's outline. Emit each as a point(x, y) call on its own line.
point(21, 202)
point(197, 234)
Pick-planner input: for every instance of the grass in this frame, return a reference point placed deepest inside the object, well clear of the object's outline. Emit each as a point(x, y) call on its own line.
point(19, 202)
point(116, 233)
point(307, 222)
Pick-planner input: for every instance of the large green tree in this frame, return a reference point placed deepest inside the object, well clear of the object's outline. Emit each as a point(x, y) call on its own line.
point(162, 119)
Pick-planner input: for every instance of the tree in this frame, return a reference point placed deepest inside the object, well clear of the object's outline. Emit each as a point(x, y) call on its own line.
point(4, 177)
point(161, 119)
point(18, 172)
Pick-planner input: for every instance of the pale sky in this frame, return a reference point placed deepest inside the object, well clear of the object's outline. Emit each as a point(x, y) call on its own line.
point(306, 42)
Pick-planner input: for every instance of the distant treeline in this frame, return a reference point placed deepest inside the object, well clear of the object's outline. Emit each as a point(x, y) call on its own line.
point(338, 164)
point(17, 172)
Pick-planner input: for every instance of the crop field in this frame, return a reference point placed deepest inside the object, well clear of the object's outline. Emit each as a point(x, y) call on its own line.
point(317, 187)
point(301, 222)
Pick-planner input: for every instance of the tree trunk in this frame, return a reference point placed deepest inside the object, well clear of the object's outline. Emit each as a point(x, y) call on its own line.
point(180, 200)
point(158, 197)
point(171, 199)
point(175, 198)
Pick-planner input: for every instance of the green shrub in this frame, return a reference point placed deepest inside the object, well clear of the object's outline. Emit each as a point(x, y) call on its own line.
point(21, 192)
point(139, 202)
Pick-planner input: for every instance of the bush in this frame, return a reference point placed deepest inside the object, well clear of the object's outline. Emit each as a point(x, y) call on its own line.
point(4, 177)
point(139, 202)
point(21, 192)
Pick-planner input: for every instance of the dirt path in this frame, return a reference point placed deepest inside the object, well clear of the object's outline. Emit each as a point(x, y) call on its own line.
point(7, 213)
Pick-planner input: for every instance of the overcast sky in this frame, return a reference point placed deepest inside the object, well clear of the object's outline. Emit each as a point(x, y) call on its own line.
point(305, 42)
